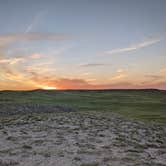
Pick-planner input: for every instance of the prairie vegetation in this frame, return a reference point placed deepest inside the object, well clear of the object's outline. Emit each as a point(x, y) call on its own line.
point(83, 128)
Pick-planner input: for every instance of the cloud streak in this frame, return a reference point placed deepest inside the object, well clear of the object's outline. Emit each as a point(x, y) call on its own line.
point(8, 39)
point(35, 21)
point(93, 64)
point(134, 47)
point(154, 77)
point(19, 59)
point(68, 83)
point(11, 61)
point(118, 76)
point(33, 80)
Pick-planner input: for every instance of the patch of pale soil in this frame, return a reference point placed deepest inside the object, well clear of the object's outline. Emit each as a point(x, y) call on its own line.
point(79, 139)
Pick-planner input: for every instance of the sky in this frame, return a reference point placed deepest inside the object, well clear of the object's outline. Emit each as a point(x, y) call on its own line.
point(82, 44)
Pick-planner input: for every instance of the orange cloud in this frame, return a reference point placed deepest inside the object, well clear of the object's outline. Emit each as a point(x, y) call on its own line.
point(35, 56)
point(93, 65)
point(11, 61)
point(7, 39)
point(38, 81)
point(41, 76)
point(119, 75)
point(67, 83)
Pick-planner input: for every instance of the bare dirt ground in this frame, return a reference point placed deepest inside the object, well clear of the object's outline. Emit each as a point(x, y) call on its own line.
point(80, 139)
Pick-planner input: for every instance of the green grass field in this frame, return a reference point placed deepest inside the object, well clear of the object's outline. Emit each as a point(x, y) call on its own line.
point(139, 104)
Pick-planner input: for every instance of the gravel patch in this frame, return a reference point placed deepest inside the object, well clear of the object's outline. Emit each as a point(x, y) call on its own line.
point(27, 108)
point(81, 139)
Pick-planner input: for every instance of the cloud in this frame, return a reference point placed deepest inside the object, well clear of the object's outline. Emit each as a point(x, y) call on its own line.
point(86, 74)
point(34, 80)
point(11, 79)
point(162, 71)
point(92, 64)
point(9, 73)
point(15, 76)
point(11, 61)
point(67, 83)
point(19, 59)
point(120, 71)
point(91, 79)
point(72, 83)
point(43, 68)
point(120, 74)
point(35, 56)
point(35, 21)
point(135, 46)
point(7, 39)
point(118, 77)
point(154, 77)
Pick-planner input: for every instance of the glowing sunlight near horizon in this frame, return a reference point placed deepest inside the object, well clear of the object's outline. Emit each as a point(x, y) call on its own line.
point(48, 88)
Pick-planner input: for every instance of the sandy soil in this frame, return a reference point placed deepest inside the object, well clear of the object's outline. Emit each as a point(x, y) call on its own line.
point(81, 139)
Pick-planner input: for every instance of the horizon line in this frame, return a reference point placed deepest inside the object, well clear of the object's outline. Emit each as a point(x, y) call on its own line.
point(116, 89)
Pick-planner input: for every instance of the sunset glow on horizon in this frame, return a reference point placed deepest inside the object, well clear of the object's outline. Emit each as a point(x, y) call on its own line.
point(82, 44)
point(48, 88)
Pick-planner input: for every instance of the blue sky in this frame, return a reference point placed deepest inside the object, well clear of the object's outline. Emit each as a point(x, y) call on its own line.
point(106, 44)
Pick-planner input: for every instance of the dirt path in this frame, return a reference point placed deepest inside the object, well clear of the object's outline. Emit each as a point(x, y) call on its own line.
point(81, 139)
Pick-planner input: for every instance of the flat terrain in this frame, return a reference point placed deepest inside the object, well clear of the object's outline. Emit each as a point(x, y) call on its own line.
point(147, 104)
point(83, 128)
point(80, 139)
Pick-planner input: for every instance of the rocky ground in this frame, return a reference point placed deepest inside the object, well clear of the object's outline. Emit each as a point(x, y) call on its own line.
point(80, 139)
point(27, 108)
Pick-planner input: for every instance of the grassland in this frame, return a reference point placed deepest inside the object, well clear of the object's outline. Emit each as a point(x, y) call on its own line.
point(100, 130)
point(147, 104)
